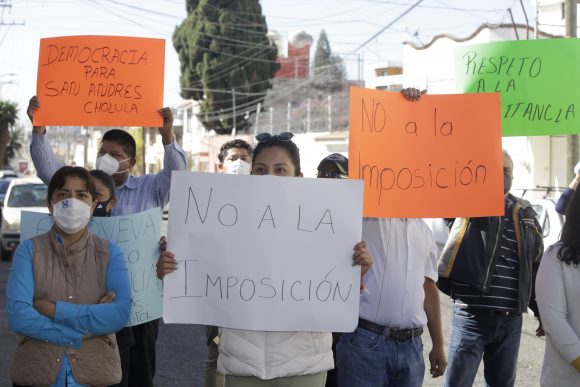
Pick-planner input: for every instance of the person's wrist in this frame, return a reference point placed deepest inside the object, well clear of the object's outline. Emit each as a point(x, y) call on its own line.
point(167, 138)
point(39, 129)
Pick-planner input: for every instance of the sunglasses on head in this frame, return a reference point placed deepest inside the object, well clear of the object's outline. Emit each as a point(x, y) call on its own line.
point(331, 175)
point(284, 136)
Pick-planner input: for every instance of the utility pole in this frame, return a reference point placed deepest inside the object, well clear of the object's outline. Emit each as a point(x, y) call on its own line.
point(570, 12)
point(537, 20)
point(7, 4)
point(234, 111)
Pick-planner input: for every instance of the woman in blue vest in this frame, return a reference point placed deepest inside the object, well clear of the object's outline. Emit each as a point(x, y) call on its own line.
point(68, 292)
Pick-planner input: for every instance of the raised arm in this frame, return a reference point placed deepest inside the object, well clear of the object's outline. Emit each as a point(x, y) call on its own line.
point(173, 160)
point(23, 318)
point(43, 158)
point(104, 318)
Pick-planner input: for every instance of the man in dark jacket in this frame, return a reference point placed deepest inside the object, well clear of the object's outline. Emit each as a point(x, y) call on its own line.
point(488, 267)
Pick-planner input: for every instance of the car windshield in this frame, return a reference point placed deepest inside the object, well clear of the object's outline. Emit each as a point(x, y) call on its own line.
point(28, 195)
point(4, 183)
point(538, 208)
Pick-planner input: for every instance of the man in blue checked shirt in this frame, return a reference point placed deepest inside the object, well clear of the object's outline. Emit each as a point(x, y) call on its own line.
point(134, 194)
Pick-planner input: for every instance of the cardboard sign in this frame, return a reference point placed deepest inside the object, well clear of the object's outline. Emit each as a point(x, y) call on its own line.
point(264, 252)
point(438, 157)
point(100, 81)
point(536, 79)
point(138, 236)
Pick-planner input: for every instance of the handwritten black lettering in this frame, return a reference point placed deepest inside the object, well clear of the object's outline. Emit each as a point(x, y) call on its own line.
point(236, 288)
point(96, 55)
point(222, 217)
point(271, 218)
point(92, 107)
point(326, 219)
point(379, 117)
point(530, 67)
point(428, 176)
point(191, 193)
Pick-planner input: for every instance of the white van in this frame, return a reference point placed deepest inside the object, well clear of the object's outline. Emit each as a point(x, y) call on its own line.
point(28, 194)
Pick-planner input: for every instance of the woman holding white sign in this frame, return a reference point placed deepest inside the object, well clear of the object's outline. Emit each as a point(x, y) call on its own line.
point(291, 359)
point(68, 292)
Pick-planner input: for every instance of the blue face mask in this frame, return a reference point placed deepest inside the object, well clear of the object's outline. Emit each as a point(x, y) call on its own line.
point(101, 209)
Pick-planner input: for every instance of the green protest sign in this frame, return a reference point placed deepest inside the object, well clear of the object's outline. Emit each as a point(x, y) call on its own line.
point(538, 81)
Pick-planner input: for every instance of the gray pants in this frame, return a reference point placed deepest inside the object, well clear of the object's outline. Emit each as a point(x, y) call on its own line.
point(212, 377)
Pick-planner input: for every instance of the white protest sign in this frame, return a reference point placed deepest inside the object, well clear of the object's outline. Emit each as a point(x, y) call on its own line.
point(264, 252)
point(138, 236)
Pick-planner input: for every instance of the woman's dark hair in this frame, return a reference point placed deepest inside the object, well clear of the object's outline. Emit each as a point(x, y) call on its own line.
point(287, 145)
point(59, 180)
point(105, 179)
point(569, 251)
point(237, 143)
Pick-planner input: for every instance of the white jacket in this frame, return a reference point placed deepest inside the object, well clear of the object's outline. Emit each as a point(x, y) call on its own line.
point(269, 355)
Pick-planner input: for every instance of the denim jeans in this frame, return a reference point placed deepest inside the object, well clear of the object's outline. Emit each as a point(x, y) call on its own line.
point(479, 334)
point(142, 354)
point(367, 359)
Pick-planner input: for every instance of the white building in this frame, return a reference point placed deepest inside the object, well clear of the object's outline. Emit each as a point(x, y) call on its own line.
point(550, 16)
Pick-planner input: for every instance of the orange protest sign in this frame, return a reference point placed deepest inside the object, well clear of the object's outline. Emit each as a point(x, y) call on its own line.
point(439, 157)
point(100, 81)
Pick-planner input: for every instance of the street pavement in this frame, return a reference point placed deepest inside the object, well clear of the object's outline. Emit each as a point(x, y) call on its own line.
point(181, 349)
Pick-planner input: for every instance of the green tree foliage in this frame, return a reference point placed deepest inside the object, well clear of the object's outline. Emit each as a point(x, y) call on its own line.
point(8, 116)
point(329, 71)
point(222, 45)
point(15, 143)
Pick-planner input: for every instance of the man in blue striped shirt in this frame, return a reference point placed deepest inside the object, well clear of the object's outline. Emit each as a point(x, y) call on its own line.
point(134, 194)
point(488, 267)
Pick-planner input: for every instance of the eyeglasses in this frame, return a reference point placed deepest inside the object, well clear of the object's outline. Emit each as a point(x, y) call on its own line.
point(284, 136)
point(331, 175)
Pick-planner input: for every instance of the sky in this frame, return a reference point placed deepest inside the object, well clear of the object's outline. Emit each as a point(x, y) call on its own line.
point(348, 24)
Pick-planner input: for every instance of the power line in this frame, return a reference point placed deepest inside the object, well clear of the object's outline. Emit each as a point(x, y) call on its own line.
point(272, 97)
point(226, 91)
point(443, 6)
point(155, 12)
point(388, 25)
point(93, 3)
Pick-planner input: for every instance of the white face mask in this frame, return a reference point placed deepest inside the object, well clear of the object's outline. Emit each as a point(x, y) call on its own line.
point(109, 164)
point(71, 215)
point(237, 167)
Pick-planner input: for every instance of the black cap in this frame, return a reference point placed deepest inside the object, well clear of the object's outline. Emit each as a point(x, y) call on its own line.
point(337, 159)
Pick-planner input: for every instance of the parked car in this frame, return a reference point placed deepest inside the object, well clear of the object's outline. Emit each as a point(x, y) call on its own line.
point(550, 220)
point(4, 183)
point(7, 173)
point(23, 194)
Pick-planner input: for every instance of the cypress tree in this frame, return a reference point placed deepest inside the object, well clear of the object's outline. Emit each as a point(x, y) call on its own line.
point(329, 69)
point(8, 117)
point(223, 45)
